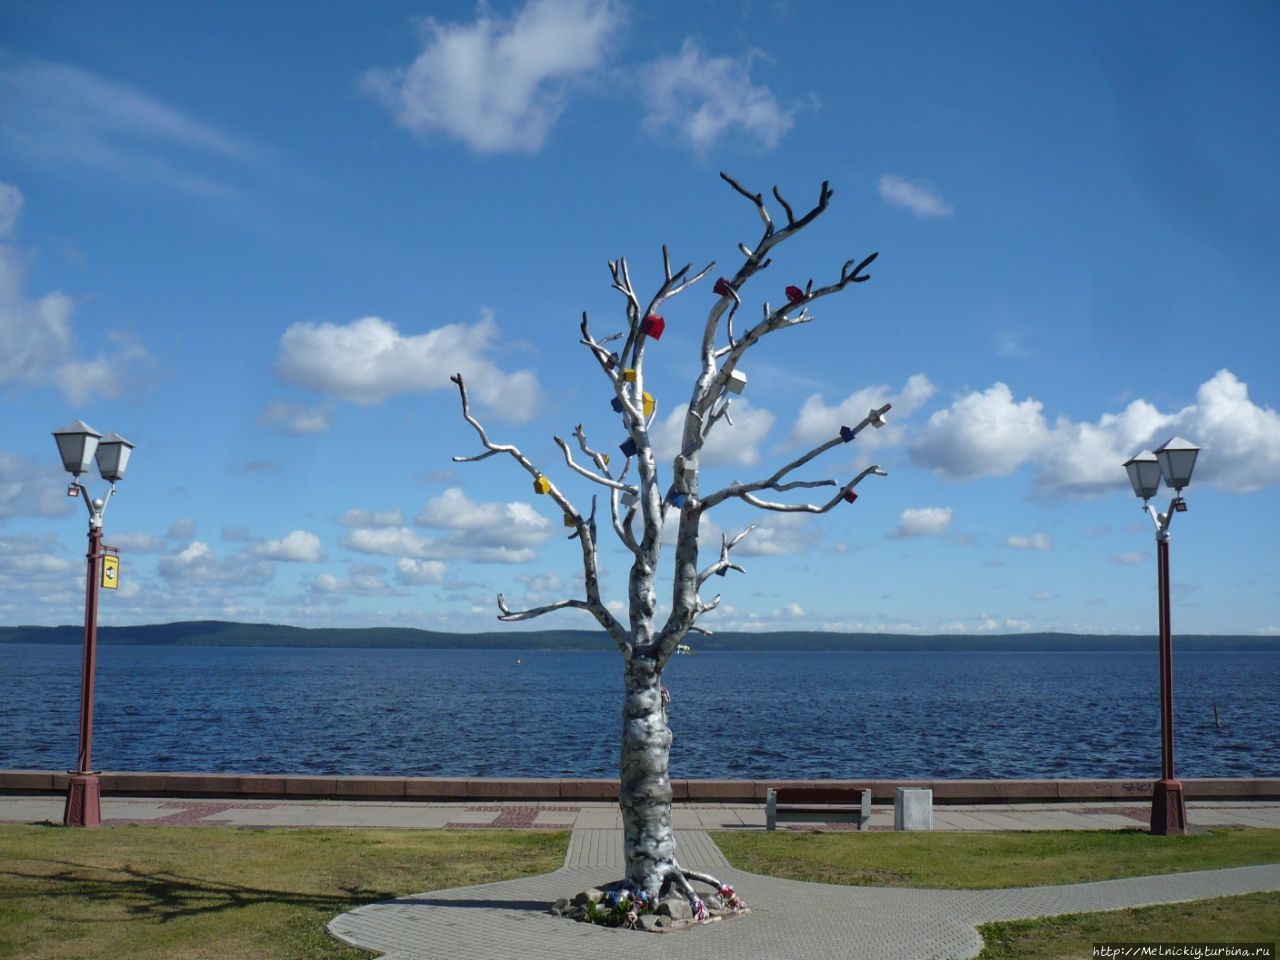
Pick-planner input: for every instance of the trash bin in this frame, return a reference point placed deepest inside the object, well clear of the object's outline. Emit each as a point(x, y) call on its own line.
point(912, 809)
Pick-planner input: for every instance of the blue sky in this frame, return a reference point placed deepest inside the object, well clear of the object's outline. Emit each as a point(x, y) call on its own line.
point(257, 239)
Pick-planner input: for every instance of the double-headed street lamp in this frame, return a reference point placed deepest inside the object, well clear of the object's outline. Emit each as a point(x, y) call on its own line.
point(78, 444)
point(1174, 462)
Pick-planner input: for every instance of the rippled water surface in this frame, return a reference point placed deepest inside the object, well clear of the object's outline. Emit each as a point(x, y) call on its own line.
point(551, 714)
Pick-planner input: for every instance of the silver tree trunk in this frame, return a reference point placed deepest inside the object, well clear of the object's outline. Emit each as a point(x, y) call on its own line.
point(645, 797)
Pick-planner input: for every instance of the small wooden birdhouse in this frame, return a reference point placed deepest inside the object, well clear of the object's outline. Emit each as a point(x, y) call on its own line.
point(794, 294)
point(650, 405)
point(735, 381)
point(541, 485)
point(850, 496)
point(676, 498)
point(652, 326)
point(612, 362)
point(722, 288)
point(605, 458)
point(629, 375)
point(846, 434)
point(686, 470)
point(629, 499)
point(628, 447)
point(570, 520)
point(876, 418)
point(616, 403)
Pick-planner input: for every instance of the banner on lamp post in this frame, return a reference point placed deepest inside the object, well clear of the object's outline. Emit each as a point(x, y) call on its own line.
point(110, 572)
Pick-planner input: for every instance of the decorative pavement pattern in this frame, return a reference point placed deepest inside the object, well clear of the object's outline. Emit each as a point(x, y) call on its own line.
point(789, 920)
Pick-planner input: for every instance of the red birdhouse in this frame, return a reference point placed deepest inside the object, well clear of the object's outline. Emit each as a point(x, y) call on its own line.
point(722, 288)
point(794, 294)
point(850, 496)
point(652, 326)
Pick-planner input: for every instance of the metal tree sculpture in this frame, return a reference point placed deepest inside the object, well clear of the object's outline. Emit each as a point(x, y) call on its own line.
point(644, 502)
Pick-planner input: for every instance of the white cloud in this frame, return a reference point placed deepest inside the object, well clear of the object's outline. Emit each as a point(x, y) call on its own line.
point(29, 489)
point(479, 532)
point(499, 84)
point(391, 541)
point(36, 337)
point(1130, 558)
point(486, 532)
point(183, 529)
point(56, 113)
point(299, 546)
point(1241, 440)
point(296, 418)
point(736, 444)
point(819, 422)
point(372, 518)
point(702, 99)
point(368, 360)
point(138, 542)
point(922, 522)
point(777, 535)
point(1044, 595)
point(10, 209)
point(1037, 541)
point(416, 573)
point(989, 434)
point(197, 565)
point(921, 197)
point(982, 434)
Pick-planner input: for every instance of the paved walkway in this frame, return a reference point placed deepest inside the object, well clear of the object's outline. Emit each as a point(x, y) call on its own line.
point(586, 815)
point(789, 920)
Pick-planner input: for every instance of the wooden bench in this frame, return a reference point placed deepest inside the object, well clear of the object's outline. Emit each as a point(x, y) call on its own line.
point(817, 805)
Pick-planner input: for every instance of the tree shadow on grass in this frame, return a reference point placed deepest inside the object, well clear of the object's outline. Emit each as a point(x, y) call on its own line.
point(166, 896)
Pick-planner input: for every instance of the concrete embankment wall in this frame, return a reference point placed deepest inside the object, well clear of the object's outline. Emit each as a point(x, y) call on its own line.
point(463, 789)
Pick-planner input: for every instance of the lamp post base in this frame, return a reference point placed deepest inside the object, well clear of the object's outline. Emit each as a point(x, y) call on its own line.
point(1168, 808)
point(84, 801)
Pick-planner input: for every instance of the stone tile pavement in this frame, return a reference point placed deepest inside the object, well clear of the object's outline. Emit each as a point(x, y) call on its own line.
point(561, 815)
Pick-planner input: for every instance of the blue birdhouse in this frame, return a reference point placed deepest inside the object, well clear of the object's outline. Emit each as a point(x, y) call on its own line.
point(628, 447)
point(846, 434)
point(616, 403)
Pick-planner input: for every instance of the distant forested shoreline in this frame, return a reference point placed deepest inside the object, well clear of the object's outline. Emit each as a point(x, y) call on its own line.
point(230, 634)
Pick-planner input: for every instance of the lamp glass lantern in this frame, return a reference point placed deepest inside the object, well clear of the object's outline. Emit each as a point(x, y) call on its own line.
point(113, 456)
point(1177, 458)
point(77, 444)
point(1144, 474)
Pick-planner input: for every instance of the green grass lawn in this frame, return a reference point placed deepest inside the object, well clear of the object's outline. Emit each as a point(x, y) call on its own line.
point(215, 893)
point(993, 860)
point(976, 861)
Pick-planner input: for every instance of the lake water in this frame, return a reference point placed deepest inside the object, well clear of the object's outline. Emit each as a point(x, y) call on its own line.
point(556, 714)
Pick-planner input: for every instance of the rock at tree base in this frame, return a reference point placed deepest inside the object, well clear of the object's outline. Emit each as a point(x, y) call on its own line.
point(670, 914)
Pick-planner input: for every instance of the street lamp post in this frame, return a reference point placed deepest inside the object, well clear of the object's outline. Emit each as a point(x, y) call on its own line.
point(1174, 462)
point(78, 444)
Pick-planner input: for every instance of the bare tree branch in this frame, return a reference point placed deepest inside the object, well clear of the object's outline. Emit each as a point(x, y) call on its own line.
point(586, 531)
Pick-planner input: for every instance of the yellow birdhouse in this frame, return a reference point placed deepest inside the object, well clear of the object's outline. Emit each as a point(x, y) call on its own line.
point(541, 485)
point(629, 375)
point(570, 520)
point(650, 405)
